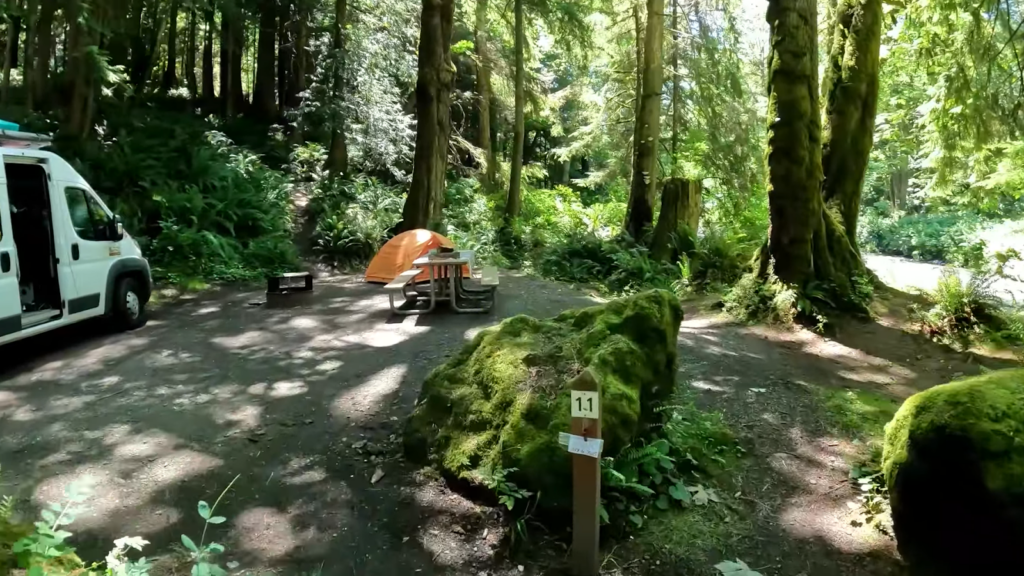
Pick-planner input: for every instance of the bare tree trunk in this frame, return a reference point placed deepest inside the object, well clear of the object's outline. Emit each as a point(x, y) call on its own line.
point(483, 91)
point(81, 91)
point(209, 95)
point(675, 88)
point(190, 55)
point(284, 56)
point(44, 44)
point(263, 98)
point(680, 214)
point(27, 70)
point(423, 206)
point(297, 86)
point(514, 201)
point(238, 42)
point(645, 169)
point(227, 44)
point(638, 37)
point(337, 155)
point(10, 50)
point(170, 78)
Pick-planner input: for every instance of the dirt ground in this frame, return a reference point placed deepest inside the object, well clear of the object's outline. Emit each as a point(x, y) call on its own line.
point(304, 405)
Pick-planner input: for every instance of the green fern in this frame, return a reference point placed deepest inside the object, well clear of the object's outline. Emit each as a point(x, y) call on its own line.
point(6, 505)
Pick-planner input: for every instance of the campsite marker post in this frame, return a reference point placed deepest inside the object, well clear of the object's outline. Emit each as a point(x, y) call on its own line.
point(585, 446)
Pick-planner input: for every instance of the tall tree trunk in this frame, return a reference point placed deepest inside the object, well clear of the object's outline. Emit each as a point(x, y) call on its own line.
point(263, 98)
point(851, 99)
point(645, 168)
point(337, 155)
point(140, 56)
point(805, 243)
point(44, 44)
point(28, 58)
point(680, 214)
point(81, 90)
point(423, 206)
point(284, 56)
point(514, 201)
point(227, 45)
point(208, 91)
point(675, 87)
point(638, 37)
point(297, 86)
point(170, 79)
point(238, 42)
point(190, 55)
point(10, 49)
point(483, 92)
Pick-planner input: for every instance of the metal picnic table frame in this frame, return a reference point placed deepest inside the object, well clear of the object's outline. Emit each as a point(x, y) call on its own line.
point(439, 269)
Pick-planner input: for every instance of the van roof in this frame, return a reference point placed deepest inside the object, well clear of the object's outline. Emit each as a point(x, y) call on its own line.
point(23, 140)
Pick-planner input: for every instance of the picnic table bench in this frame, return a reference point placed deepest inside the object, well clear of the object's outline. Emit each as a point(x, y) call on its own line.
point(445, 284)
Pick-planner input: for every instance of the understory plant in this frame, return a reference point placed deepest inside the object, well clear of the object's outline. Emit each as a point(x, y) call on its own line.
point(675, 467)
point(43, 549)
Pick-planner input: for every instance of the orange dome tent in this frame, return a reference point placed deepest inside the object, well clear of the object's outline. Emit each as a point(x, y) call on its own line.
point(397, 255)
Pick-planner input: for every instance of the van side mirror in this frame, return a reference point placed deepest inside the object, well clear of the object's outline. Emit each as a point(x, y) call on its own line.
point(115, 232)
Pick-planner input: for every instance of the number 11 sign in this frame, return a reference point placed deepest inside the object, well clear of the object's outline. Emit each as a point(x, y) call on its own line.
point(585, 404)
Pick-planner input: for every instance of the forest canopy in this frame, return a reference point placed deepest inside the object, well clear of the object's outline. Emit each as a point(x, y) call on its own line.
point(618, 142)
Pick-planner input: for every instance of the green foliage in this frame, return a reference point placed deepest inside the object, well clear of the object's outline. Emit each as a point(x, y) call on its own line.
point(961, 309)
point(755, 299)
point(44, 550)
point(354, 218)
point(200, 205)
point(666, 470)
point(947, 238)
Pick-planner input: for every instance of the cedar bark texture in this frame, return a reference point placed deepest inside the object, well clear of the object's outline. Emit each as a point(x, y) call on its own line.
point(433, 126)
point(640, 211)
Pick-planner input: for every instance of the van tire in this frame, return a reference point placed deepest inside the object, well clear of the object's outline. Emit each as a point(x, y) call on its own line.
point(129, 310)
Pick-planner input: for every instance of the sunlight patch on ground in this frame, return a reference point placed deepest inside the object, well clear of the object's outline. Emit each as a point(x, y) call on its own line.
point(819, 509)
point(385, 336)
point(365, 400)
point(268, 532)
point(77, 366)
point(244, 340)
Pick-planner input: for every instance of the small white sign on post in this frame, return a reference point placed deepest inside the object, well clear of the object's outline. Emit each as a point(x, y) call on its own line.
point(585, 446)
point(585, 404)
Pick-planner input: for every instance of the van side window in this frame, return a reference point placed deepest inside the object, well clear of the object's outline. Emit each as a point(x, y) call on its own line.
point(89, 219)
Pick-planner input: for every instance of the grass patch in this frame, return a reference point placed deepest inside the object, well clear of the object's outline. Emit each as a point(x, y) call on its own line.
point(694, 538)
point(859, 414)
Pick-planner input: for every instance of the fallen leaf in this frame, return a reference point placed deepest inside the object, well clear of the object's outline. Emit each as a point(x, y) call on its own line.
point(377, 475)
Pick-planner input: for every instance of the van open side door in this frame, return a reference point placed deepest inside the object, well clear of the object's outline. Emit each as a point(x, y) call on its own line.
point(10, 293)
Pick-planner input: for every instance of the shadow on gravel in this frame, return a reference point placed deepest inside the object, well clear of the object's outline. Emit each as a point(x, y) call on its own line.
point(283, 398)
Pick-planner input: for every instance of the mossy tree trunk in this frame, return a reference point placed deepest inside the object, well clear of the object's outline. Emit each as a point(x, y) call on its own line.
point(638, 37)
point(805, 243)
point(514, 200)
point(433, 126)
point(483, 93)
point(680, 207)
point(640, 210)
point(851, 97)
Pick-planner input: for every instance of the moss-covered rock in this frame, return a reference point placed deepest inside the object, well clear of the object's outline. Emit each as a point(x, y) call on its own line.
point(954, 465)
point(501, 402)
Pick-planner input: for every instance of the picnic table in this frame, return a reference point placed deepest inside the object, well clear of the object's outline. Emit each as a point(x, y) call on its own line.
point(445, 273)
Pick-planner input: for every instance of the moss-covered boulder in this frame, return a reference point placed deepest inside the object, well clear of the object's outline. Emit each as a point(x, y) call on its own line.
point(501, 402)
point(954, 466)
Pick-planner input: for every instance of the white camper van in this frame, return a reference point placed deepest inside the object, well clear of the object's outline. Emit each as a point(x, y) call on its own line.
point(64, 256)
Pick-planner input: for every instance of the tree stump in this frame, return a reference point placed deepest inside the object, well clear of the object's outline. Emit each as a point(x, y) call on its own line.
point(680, 207)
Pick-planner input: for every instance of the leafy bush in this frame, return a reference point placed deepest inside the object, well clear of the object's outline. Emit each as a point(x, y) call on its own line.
point(200, 205)
point(719, 259)
point(961, 309)
point(43, 548)
point(354, 218)
point(757, 299)
point(930, 237)
point(671, 469)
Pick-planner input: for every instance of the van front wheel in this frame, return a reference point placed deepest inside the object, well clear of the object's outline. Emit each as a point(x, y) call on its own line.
point(129, 308)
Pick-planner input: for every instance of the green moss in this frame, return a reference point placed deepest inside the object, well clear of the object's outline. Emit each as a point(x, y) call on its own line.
point(954, 465)
point(501, 402)
point(858, 413)
point(688, 538)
